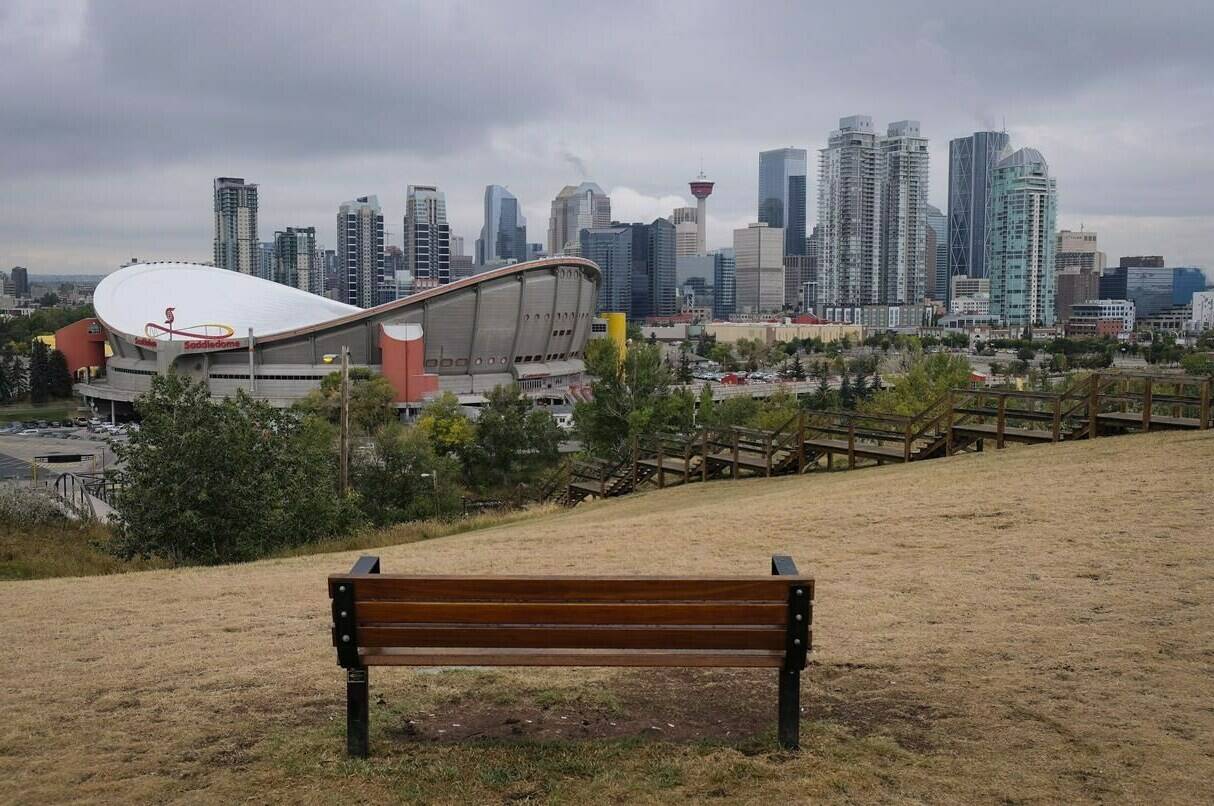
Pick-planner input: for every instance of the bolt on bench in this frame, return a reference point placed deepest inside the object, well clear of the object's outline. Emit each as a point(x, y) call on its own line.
point(400, 620)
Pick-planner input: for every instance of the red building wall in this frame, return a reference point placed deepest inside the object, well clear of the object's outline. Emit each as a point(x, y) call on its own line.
point(82, 344)
point(403, 353)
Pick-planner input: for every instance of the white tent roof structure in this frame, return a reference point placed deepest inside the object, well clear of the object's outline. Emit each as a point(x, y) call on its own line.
point(207, 300)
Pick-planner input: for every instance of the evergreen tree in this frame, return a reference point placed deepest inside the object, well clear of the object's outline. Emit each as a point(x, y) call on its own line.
point(15, 374)
point(861, 388)
point(60, 380)
point(847, 398)
point(6, 385)
point(39, 373)
point(821, 397)
point(684, 367)
point(798, 371)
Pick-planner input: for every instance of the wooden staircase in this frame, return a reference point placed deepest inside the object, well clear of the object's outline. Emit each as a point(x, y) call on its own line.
point(961, 420)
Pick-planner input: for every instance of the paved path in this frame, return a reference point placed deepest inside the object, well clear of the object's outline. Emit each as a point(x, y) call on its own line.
point(11, 466)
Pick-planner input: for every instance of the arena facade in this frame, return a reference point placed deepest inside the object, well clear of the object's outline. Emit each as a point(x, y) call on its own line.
point(526, 323)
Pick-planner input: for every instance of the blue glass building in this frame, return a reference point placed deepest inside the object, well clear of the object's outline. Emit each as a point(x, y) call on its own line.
point(725, 283)
point(971, 163)
point(782, 194)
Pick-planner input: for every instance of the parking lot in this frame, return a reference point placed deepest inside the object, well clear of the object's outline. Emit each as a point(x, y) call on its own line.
point(21, 443)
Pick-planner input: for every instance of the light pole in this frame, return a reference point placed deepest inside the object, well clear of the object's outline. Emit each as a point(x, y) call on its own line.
point(434, 477)
point(343, 418)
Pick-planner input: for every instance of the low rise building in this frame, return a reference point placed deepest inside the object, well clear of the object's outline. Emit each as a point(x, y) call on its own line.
point(776, 332)
point(1101, 317)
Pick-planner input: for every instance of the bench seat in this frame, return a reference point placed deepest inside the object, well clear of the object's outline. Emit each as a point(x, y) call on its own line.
point(641, 621)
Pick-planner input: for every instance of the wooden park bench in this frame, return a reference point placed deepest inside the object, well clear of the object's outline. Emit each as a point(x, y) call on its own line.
point(400, 620)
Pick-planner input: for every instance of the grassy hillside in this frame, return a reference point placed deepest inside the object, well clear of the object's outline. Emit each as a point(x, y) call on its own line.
point(1023, 626)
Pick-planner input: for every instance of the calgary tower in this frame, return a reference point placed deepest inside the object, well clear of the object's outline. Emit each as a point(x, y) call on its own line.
point(701, 188)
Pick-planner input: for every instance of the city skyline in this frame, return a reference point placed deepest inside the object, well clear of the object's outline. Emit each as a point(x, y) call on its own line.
point(85, 114)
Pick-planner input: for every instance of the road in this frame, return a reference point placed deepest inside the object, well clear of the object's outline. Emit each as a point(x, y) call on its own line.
point(13, 468)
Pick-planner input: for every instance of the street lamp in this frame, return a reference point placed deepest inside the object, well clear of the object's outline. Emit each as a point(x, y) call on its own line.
point(433, 476)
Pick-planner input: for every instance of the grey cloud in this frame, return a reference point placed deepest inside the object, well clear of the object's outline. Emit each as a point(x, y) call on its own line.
point(141, 101)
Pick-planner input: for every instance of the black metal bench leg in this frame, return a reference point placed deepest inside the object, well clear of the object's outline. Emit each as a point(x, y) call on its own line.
point(358, 717)
point(790, 709)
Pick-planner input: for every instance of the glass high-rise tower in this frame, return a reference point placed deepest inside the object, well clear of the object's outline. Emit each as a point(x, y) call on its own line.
point(1023, 240)
point(427, 237)
point(971, 163)
point(236, 245)
point(504, 235)
point(782, 196)
point(360, 251)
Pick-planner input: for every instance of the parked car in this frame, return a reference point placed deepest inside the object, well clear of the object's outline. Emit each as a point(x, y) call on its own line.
point(29, 432)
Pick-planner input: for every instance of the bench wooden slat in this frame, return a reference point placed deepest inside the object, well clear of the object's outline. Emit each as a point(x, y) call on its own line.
point(407, 588)
point(375, 612)
point(585, 637)
point(573, 657)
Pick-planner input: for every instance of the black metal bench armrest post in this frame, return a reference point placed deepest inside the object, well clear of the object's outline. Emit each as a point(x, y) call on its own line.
point(796, 649)
point(358, 683)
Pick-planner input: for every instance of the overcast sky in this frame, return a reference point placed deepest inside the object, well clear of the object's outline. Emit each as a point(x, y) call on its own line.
point(115, 116)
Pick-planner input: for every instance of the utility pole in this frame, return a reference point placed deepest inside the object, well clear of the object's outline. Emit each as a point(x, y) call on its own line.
point(345, 420)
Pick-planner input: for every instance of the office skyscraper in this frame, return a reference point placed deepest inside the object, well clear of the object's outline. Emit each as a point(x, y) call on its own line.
point(573, 210)
point(1078, 264)
point(296, 260)
point(427, 237)
point(903, 223)
point(687, 231)
point(265, 260)
point(653, 290)
point(851, 178)
point(236, 225)
point(724, 283)
point(937, 253)
point(611, 248)
point(504, 234)
point(971, 165)
point(20, 278)
point(1020, 257)
point(360, 251)
point(758, 269)
point(782, 189)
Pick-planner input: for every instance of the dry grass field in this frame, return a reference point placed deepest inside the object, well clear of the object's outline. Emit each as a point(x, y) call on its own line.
point(1030, 626)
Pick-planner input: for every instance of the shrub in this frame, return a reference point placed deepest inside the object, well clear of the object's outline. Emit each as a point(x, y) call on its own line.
point(27, 507)
point(206, 482)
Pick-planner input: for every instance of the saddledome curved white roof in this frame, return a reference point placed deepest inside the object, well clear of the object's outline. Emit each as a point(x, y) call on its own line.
point(131, 298)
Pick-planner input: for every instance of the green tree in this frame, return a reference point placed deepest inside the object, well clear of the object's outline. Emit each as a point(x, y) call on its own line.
point(927, 379)
point(860, 387)
point(39, 373)
point(631, 397)
point(798, 370)
point(59, 380)
point(847, 397)
point(371, 397)
point(1198, 364)
point(404, 478)
point(732, 411)
point(821, 399)
point(723, 355)
point(705, 405)
point(207, 482)
point(448, 429)
point(684, 367)
point(514, 439)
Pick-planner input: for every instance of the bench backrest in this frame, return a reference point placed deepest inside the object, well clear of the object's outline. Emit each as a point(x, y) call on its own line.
point(387, 619)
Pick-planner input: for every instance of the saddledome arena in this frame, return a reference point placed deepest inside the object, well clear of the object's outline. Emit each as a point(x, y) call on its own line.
point(527, 323)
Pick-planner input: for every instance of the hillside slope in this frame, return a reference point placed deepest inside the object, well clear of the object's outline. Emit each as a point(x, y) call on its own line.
point(1027, 625)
